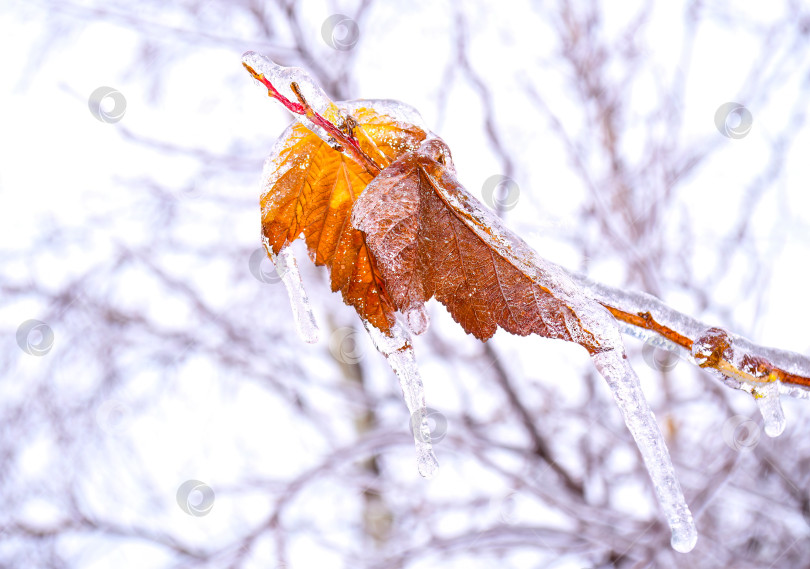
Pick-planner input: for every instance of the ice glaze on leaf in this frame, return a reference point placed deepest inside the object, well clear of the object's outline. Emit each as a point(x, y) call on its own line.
point(310, 188)
point(430, 238)
point(414, 234)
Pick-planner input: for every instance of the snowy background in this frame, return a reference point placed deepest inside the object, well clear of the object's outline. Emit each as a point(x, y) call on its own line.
point(172, 360)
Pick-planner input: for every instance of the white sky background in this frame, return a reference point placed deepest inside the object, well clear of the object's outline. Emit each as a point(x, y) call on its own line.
point(59, 165)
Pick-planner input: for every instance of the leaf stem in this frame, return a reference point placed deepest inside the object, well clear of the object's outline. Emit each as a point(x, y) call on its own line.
point(346, 141)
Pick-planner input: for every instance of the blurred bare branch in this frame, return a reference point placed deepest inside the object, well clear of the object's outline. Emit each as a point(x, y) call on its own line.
point(172, 360)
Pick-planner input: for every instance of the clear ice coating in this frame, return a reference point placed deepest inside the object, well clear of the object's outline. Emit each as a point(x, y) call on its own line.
point(418, 319)
point(282, 77)
point(637, 302)
point(767, 398)
point(626, 389)
point(287, 267)
point(397, 110)
point(581, 294)
point(399, 353)
point(612, 362)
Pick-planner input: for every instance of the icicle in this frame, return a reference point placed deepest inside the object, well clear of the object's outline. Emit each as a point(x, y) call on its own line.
point(399, 353)
point(767, 398)
point(626, 389)
point(287, 268)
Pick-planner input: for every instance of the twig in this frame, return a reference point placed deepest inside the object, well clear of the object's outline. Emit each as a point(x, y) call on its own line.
point(344, 137)
point(732, 356)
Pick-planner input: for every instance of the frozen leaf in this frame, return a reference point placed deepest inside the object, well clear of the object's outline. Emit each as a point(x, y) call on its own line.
point(378, 203)
point(310, 188)
point(430, 238)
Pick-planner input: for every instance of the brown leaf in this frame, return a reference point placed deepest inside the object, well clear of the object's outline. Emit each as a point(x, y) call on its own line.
point(310, 188)
point(430, 237)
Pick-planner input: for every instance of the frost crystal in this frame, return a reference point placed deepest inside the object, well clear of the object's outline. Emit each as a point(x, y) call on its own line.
point(626, 389)
point(287, 267)
point(399, 353)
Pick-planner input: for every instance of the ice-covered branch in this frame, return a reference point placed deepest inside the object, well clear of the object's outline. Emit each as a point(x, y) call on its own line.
point(739, 363)
point(315, 111)
point(400, 216)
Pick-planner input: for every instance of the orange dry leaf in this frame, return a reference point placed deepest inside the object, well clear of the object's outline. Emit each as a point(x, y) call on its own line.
point(430, 238)
point(310, 188)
